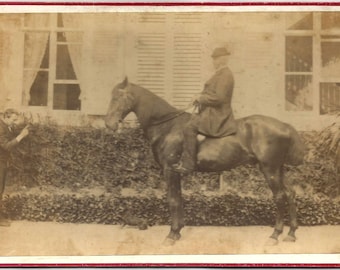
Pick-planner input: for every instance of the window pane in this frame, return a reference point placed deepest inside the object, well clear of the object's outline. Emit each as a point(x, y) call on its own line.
point(66, 97)
point(330, 20)
point(70, 36)
point(299, 54)
point(39, 88)
point(61, 37)
point(329, 98)
point(46, 58)
point(330, 37)
point(64, 69)
point(299, 21)
point(330, 56)
point(299, 95)
point(36, 51)
point(60, 22)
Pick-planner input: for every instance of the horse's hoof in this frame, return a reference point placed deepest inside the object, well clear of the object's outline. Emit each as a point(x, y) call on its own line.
point(169, 242)
point(272, 242)
point(289, 238)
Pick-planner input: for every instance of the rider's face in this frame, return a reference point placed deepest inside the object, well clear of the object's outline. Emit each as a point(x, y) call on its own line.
point(215, 62)
point(219, 61)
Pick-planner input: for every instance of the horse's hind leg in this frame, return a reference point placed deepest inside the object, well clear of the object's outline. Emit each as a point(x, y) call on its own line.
point(274, 177)
point(290, 194)
point(174, 196)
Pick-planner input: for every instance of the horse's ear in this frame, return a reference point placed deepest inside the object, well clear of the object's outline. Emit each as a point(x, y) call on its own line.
point(124, 83)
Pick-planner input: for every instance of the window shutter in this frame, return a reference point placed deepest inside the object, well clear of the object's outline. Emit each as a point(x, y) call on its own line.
point(187, 58)
point(153, 18)
point(188, 18)
point(187, 68)
point(168, 55)
point(152, 52)
point(151, 61)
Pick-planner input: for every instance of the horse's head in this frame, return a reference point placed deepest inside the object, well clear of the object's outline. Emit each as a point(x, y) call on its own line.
point(121, 105)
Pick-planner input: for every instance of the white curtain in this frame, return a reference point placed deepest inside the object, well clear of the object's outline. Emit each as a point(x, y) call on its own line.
point(35, 46)
point(75, 21)
point(331, 69)
point(4, 62)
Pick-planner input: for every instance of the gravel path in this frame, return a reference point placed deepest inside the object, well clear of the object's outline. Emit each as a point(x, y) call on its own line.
point(24, 238)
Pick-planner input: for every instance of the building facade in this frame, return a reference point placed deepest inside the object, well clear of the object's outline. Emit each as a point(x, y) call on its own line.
point(64, 66)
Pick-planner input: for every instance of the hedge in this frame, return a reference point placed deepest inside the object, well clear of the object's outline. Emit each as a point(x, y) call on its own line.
point(200, 209)
point(68, 160)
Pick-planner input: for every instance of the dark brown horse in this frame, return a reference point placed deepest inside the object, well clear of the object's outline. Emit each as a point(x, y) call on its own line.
point(262, 139)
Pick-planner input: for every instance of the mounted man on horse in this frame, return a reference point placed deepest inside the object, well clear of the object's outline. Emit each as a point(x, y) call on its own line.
point(215, 118)
point(265, 140)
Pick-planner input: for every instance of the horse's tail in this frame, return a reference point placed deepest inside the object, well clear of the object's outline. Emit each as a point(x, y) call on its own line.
point(297, 149)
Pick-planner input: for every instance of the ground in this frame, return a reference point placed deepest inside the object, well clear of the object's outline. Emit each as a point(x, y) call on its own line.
point(25, 238)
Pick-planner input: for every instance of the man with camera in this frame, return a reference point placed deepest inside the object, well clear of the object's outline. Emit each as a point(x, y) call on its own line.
point(8, 141)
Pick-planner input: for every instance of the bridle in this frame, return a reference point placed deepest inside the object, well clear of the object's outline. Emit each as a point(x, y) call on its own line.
point(171, 117)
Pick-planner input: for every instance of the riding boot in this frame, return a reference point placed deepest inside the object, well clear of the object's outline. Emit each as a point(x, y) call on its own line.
point(187, 163)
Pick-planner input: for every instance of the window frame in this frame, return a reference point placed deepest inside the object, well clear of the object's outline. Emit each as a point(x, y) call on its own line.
point(53, 29)
point(300, 33)
point(317, 78)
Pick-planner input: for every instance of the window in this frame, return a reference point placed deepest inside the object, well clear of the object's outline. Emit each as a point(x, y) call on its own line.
point(52, 60)
point(312, 78)
point(299, 67)
point(299, 63)
point(330, 63)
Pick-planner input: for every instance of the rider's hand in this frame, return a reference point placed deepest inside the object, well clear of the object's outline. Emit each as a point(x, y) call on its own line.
point(195, 100)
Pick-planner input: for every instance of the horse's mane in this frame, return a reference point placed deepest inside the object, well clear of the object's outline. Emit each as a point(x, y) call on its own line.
point(156, 100)
point(151, 108)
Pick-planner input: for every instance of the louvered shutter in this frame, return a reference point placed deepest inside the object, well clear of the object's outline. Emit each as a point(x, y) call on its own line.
point(167, 53)
point(187, 68)
point(152, 52)
point(187, 58)
point(151, 62)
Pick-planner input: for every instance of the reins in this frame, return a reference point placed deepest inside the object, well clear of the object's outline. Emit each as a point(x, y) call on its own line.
point(179, 113)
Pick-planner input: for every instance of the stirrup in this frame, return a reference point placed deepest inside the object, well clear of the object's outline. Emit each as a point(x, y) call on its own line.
point(178, 167)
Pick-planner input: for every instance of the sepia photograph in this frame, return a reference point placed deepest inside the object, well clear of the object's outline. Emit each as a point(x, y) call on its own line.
point(161, 131)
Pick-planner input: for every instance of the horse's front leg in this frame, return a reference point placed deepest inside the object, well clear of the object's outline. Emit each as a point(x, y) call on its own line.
point(174, 197)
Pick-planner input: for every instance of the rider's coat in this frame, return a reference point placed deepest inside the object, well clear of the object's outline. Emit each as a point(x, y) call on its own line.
point(216, 118)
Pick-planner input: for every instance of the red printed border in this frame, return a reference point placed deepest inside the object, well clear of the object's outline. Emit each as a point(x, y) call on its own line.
point(184, 265)
point(27, 3)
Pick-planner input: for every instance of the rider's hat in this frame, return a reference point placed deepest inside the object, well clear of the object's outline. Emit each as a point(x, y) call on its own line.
point(220, 51)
